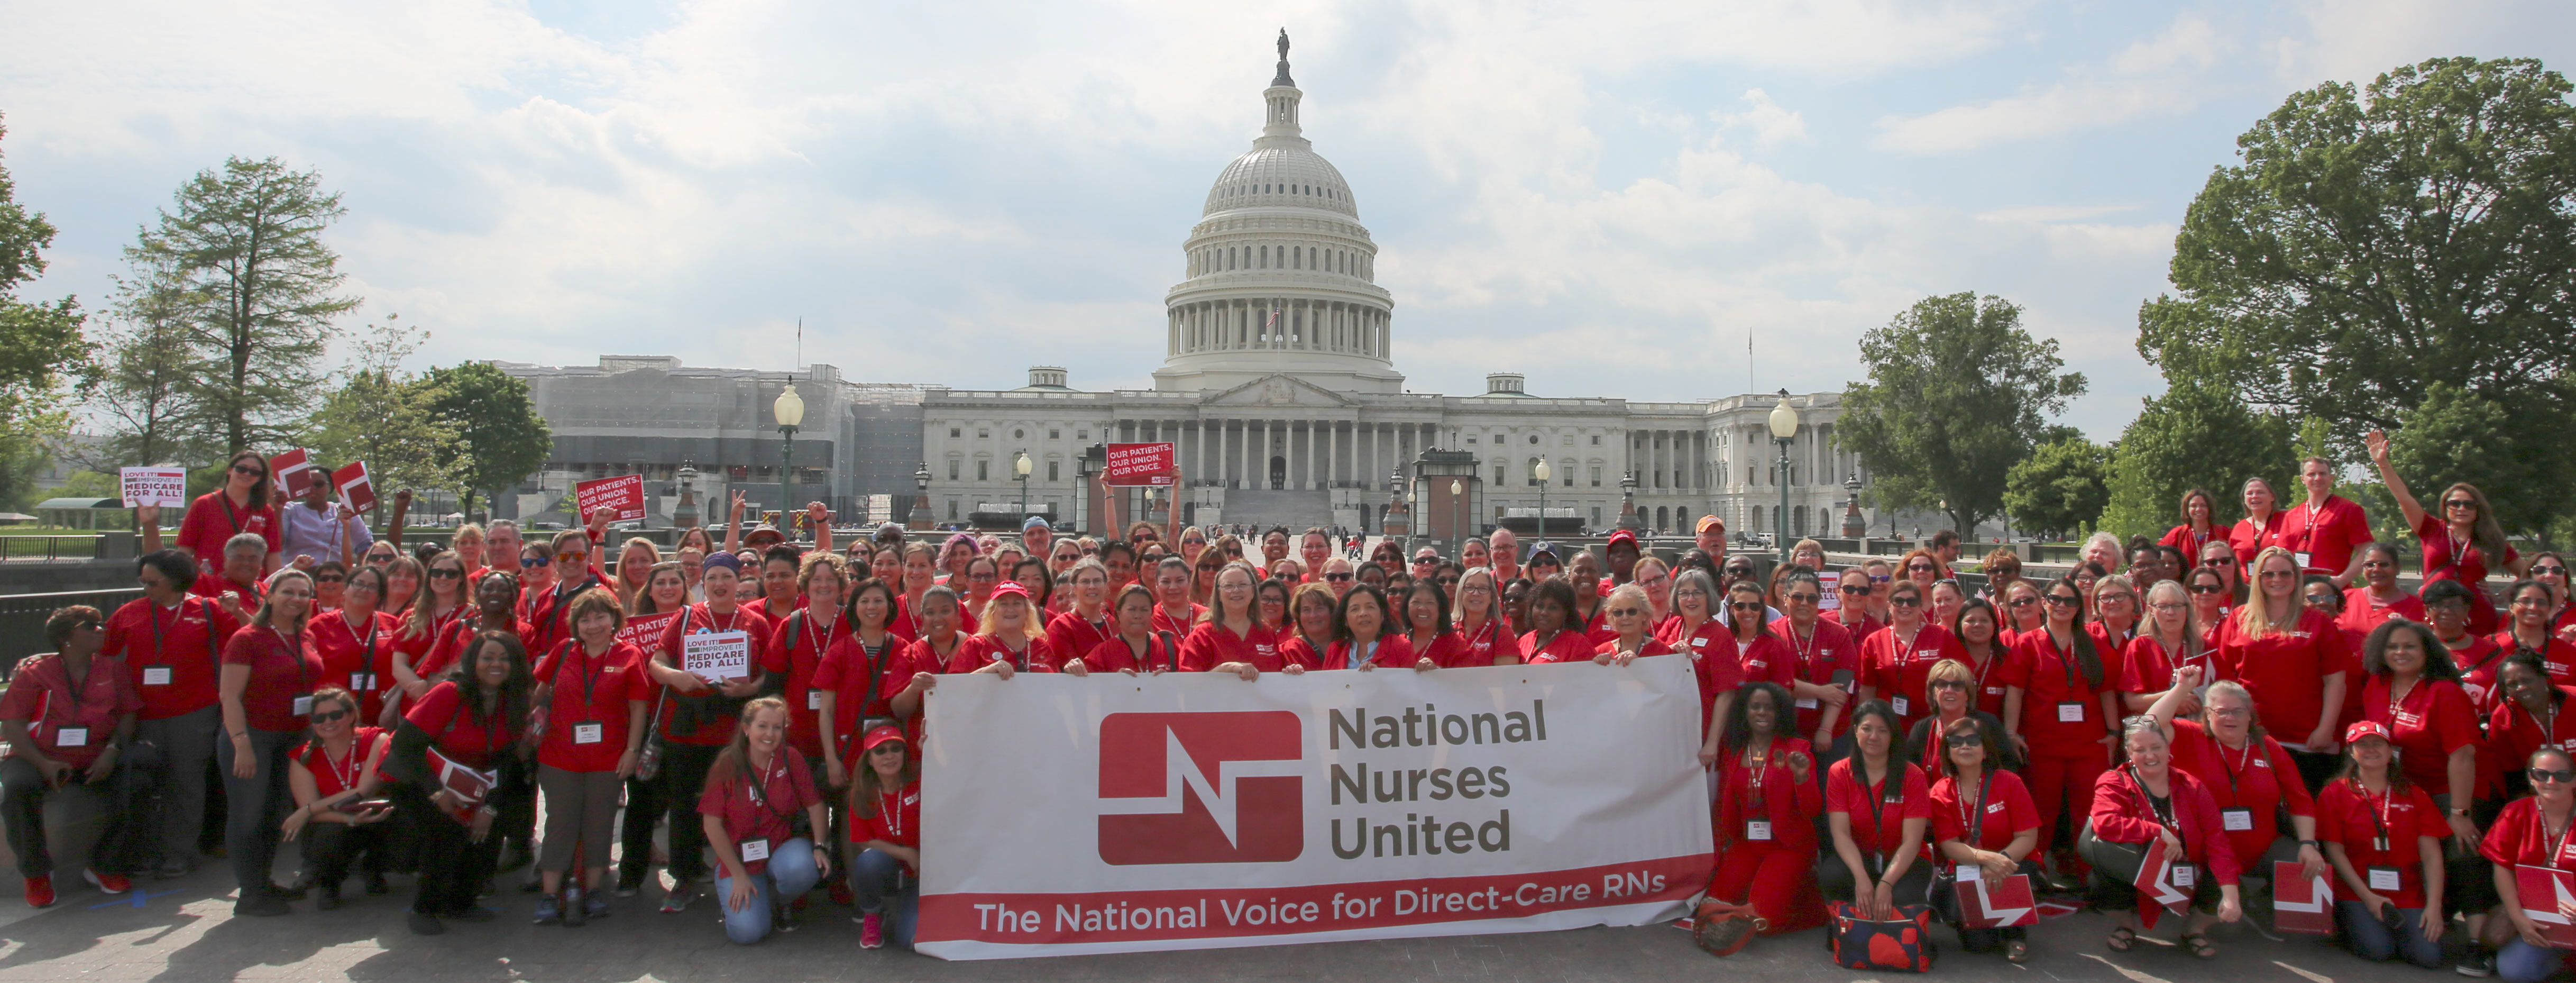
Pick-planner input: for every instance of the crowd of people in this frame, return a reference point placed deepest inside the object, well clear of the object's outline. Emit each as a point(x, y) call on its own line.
point(1875, 731)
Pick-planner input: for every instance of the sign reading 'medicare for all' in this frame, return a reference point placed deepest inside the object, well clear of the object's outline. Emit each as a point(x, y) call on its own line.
point(1200, 811)
point(165, 487)
point(716, 656)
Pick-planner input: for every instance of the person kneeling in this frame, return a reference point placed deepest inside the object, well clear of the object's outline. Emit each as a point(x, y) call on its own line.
point(754, 791)
point(885, 823)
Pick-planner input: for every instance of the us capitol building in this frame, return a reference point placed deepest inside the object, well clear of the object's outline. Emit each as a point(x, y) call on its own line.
point(1277, 387)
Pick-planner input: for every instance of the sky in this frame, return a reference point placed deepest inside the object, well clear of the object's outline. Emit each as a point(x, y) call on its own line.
point(1609, 197)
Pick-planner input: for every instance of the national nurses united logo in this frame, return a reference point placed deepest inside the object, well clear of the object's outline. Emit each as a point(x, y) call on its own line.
point(1201, 788)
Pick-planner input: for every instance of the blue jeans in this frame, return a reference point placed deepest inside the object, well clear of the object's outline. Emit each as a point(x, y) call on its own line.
point(2521, 962)
point(2370, 938)
point(790, 874)
point(884, 889)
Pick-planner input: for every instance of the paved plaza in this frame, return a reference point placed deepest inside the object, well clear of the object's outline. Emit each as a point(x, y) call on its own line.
point(183, 931)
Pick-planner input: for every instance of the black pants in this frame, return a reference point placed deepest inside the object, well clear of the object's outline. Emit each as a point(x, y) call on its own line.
point(123, 845)
point(644, 808)
point(331, 848)
point(683, 778)
point(452, 865)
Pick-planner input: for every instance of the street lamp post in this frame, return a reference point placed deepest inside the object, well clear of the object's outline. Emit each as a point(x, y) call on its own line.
point(1541, 470)
point(1784, 429)
point(1457, 518)
point(1022, 466)
point(920, 518)
point(686, 515)
point(1853, 526)
point(790, 411)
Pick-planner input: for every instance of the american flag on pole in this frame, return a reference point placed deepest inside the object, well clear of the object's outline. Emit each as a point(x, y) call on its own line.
point(1274, 318)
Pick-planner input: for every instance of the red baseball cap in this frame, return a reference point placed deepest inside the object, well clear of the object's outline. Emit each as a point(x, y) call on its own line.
point(882, 734)
point(1008, 588)
point(1621, 536)
point(2366, 728)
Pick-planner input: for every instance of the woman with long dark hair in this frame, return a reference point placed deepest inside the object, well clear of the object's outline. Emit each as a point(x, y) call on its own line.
point(2060, 712)
point(475, 719)
point(2385, 839)
point(1982, 818)
point(270, 672)
point(1877, 806)
point(2461, 542)
point(240, 506)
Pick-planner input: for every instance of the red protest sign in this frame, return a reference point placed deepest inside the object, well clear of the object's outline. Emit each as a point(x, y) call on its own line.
point(644, 631)
point(624, 493)
point(1988, 903)
point(2299, 903)
point(2546, 894)
point(356, 491)
point(292, 472)
point(1141, 464)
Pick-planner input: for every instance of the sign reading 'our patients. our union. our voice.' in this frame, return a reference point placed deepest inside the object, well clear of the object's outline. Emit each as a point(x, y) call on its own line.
point(1115, 813)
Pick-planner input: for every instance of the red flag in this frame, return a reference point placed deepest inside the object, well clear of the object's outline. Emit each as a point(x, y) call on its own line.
point(1995, 904)
point(2547, 894)
point(292, 472)
point(2301, 904)
point(356, 491)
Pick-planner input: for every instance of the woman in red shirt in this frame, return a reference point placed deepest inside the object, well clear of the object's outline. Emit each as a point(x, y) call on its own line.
point(1231, 638)
point(2460, 542)
point(2260, 529)
point(2147, 800)
point(2413, 692)
point(2386, 843)
point(336, 780)
point(2222, 558)
point(2114, 622)
point(1817, 661)
point(857, 678)
point(1134, 647)
point(1630, 616)
point(2294, 660)
point(1086, 622)
point(2199, 524)
point(240, 506)
point(754, 790)
point(2060, 713)
point(2446, 609)
point(270, 673)
point(1010, 638)
point(444, 603)
point(2379, 597)
point(1365, 636)
point(1269, 603)
point(356, 642)
point(475, 720)
point(1481, 625)
point(1555, 635)
point(1766, 813)
point(697, 718)
point(885, 810)
point(1894, 661)
point(2530, 713)
point(2170, 640)
point(591, 693)
point(1311, 634)
point(2247, 773)
point(1982, 821)
point(1426, 625)
point(2532, 832)
point(2528, 629)
point(1877, 806)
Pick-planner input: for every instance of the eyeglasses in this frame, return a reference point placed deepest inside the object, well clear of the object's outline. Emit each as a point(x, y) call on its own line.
point(1626, 612)
point(889, 747)
point(327, 716)
point(1949, 684)
point(2208, 589)
point(2561, 776)
point(2064, 601)
point(2460, 503)
point(1920, 567)
point(1337, 577)
point(445, 573)
point(1803, 597)
point(329, 578)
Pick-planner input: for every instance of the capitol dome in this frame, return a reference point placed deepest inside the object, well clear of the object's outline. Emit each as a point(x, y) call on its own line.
point(1281, 275)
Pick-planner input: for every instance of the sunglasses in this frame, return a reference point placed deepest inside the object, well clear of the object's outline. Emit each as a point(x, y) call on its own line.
point(329, 579)
point(2561, 776)
point(248, 470)
point(1905, 601)
point(2544, 571)
point(1337, 577)
point(444, 573)
point(1745, 606)
point(2460, 503)
point(2064, 601)
point(889, 747)
point(539, 562)
point(2208, 589)
point(1920, 567)
point(2022, 602)
point(327, 716)
point(1802, 597)
point(1881, 578)
point(1948, 684)
point(1858, 590)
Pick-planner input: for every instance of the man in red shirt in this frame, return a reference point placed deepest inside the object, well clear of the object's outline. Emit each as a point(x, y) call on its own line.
point(1274, 548)
point(168, 643)
point(2327, 531)
point(68, 717)
point(1505, 556)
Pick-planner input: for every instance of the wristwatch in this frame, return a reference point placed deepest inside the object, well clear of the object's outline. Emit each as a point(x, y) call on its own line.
point(2312, 843)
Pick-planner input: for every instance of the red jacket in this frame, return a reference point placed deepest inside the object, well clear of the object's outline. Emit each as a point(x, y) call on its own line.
point(2121, 814)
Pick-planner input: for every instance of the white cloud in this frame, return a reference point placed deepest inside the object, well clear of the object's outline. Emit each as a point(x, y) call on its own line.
point(2156, 75)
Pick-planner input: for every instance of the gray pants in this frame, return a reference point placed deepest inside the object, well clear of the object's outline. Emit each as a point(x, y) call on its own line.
point(187, 741)
point(255, 806)
point(581, 810)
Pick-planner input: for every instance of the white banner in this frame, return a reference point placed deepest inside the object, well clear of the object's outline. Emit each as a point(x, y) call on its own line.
point(1119, 814)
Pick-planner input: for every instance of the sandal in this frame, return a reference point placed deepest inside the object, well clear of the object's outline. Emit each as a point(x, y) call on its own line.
point(2016, 951)
point(2200, 945)
point(2122, 939)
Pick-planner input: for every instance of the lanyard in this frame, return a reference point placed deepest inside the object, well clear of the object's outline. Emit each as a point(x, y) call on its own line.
point(889, 805)
point(592, 668)
point(2561, 845)
point(2165, 812)
point(2378, 814)
point(366, 661)
point(757, 786)
point(2065, 660)
point(295, 651)
point(2236, 769)
point(1972, 820)
point(1759, 767)
point(1902, 650)
point(348, 776)
point(1877, 798)
point(1805, 651)
point(226, 499)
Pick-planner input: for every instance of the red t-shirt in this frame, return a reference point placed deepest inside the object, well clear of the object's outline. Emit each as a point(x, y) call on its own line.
point(714, 730)
point(2149, 667)
point(2519, 838)
point(1713, 662)
point(213, 587)
point(1567, 646)
point(2363, 612)
point(1898, 669)
point(897, 819)
point(2447, 560)
point(1294, 649)
point(796, 650)
point(549, 613)
point(1878, 814)
point(2432, 721)
point(350, 655)
point(2061, 712)
point(1118, 655)
point(2286, 671)
point(1164, 621)
point(979, 651)
point(334, 777)
point(848, 670)
point(2558, 656)
point(1827, 656)
point(1486, 644)
point(2007, 811)
point(1393, 652)
point(1071, 636)
point(1211, 645)
point(455, 732)
point(213, 518)
point(589, 689)
point(452, 641)
point(1768, 793)
point(280, 670)
point(1853, 622)
point(169, 654)
point(70, 720)
point(2327, 534)
point(2478, 663)
point(2513, 733)
point(1990, 677)
point(2350, 815)
point(2249, 539)
point(1447, 649)
point(2258, 780)
point(762, 806)
point(2182, 538)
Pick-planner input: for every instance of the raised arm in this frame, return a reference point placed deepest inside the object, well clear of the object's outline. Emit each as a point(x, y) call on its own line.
point(2377, 442)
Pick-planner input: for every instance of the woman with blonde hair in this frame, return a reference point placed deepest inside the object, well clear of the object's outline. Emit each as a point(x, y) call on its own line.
point(2293, 659)
point(635, 563)
point(754, 790)
point(1011, 638)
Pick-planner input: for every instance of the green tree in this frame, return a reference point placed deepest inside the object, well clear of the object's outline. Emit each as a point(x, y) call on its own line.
point(1956, 391)
point(245, 250)
point(2460, 435)
point(2060, 488)
point(140, 383)
point(40, 342)
point(2199, 434)
point(500, 439)
point(385, 416)
point(2373, 242)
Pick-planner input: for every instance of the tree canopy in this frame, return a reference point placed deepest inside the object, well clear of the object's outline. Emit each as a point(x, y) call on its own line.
point(40, 341)
point(2060, 488)
point(500, 439)
point(1957, 395)
point(2199, 434)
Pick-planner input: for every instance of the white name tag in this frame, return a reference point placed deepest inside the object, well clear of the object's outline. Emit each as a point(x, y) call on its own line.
point(362, 682)
point(2236, 820)
point(755, 850)
point(813, 699)
point(304, 705)
point(156, 675)
point(1807, 704)
point(1898, 706)
point(1758, 829)
point(71, 737)
point(2184, 875)
point(2070, 713)
point(589, 733)
point(1971, 872)
point(2383, 878)
point(1994, 691)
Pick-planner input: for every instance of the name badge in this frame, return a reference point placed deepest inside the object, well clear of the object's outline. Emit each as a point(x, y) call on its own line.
point(1994, 691)
point(1757, 829)
point(156, 675)
point(2185, 875)
point(2306, 559)
point(1807, 704)
point(2236, 820)
point(1970, 872)
point(813, 699)
point(71, 737)
point(2070, 713)
point(362, 682)
point(1898, 706)
point(755, 850)
point(304, 705)
point(2383, 879)
point(587, 732)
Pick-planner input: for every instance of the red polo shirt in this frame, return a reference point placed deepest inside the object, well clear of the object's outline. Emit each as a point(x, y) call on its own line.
point(2325, 535)
point(280, 670)
point(797, 650)
point(1878, 814)
point(2008, 810)
point(588, 689)
point(170, 653)
point(1071, 636)
point(847, 672)
point(1898, 669)
point(2286, 671)
point(70, 721)
point(1211, 645)
point(2432, 721)
point(213, 519)
point(1820, 658)
point(2048, 676)
point(2350, 815)
point(897, 819)
point(762, 806)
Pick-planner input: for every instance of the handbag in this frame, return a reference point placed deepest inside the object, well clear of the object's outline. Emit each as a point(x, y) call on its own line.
point(1899, 945)
point(1721, 928)
point(648, 761)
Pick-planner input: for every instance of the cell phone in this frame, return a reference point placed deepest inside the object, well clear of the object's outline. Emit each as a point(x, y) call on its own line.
point(367, 805)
